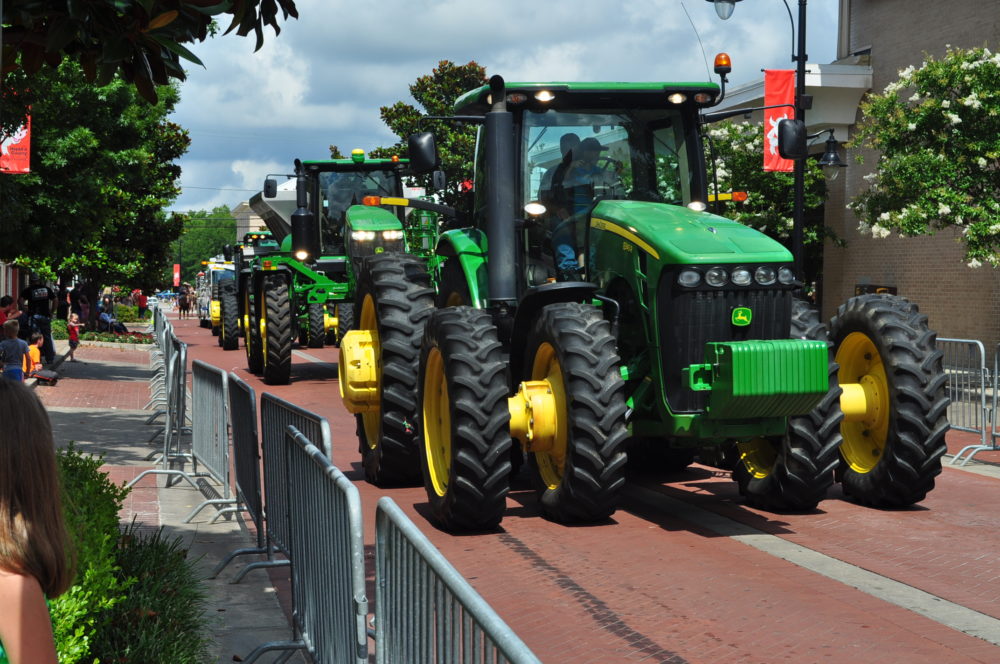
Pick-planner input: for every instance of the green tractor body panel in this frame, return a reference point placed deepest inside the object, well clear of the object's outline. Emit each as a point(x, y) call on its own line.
point(762, 378)
point(367, 218)
point(468, 247)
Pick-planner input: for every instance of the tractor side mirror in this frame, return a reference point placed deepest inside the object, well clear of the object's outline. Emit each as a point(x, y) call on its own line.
point(227, 252)
point(270, 188)
point(438, 180)
point(423, 153)
point(792, 139)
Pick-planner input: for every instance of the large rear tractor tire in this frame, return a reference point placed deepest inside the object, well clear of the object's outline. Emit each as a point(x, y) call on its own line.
point(794, 472)
point(464, 420)
point(229, 312)
point(453, 290)
point(317, 327)
point(894, 402)
point(252, 342)
point(345, 321)
point(277, 331)
point(581, 473)
point(395, 299)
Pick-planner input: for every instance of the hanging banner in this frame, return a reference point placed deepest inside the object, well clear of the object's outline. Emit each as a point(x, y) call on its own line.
point(15, 150)
point(177, 274)
point(779, 88)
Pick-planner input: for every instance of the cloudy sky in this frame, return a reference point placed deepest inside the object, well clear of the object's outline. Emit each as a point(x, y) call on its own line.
point(323, 79)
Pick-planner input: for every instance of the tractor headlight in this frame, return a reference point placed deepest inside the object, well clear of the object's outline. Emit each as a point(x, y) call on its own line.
point(689, 278)
point(716, 277)
point(765, 275)
point(392, 235)
point(741, 277)
point(363, 236)
point(786, 276)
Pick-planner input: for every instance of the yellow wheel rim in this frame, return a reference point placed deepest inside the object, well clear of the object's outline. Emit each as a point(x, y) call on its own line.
point(263, 331)
point(758, 455)
point(552, 462)
point(246, 317)
point(864, 437)
point(437, 423)
point(372, 420)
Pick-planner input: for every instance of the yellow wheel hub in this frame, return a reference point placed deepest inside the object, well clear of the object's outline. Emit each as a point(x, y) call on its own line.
point(367, 357)
point(758, 455)
point(545, 414)
point(865, 402)
point(437, 423)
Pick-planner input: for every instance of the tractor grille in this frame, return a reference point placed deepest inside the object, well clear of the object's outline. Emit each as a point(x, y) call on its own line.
point(689, 318)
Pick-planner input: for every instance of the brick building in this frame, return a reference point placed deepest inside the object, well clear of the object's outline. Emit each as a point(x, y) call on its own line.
point(960, 302)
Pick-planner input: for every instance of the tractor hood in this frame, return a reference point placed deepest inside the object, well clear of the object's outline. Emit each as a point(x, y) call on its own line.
point(676, 234)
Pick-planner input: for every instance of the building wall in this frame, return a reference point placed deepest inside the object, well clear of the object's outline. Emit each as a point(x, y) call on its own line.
point(960, 302)
point(246, 220)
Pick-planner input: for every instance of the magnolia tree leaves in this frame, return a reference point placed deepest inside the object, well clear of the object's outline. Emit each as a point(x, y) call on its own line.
point(141, 40)
point(937, 132)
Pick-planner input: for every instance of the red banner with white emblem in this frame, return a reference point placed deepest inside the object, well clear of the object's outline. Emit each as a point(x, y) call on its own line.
point(779, 88)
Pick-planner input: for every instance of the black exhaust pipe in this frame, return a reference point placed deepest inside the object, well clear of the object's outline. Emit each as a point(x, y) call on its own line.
point(500, 204)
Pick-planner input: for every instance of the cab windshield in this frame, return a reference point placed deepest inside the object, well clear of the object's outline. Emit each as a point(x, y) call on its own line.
point(573, 157)
point(339, 191)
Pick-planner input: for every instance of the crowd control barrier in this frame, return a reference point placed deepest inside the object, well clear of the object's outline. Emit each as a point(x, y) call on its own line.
point(964, 362)
point(426, 610)
point(275, 415)
point(246, 465)
point(328, 558)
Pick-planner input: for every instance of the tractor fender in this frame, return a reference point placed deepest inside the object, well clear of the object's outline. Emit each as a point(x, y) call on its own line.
point(528, 309)
point(468, 247)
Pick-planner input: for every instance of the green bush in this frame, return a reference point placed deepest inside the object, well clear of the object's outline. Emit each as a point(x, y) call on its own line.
point(59, 329)
point(91, 503)
point(162, 619)
point(119, 337)
point(127, 313)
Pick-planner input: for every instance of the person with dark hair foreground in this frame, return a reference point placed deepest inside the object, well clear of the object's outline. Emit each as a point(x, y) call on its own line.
point(35, 557)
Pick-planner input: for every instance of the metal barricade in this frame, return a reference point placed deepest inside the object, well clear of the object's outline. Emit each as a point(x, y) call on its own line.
point(964, 362)
point(425, 610)
point(246, 463)
point(210, 436)
point(328, 558)
point(275, 415)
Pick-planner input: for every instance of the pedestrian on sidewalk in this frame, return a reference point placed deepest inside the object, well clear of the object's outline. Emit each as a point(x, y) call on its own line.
point(40, 300)
point(35, 558)
point(73, 329)
point(13, 352)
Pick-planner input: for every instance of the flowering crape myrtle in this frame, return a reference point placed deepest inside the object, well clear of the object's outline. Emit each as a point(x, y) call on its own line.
point(937, 131)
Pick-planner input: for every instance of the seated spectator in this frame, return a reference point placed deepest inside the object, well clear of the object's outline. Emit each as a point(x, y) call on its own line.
point(33, 362)
point(8, 308)
point(13, 352)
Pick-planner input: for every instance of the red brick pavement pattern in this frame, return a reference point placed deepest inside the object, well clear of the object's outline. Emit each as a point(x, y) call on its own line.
point(142, 503)
point(110, 392)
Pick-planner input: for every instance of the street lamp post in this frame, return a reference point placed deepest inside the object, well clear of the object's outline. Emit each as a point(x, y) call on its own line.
point(803, 102)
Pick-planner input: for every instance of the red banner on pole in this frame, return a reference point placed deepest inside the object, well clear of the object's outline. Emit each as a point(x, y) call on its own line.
point(15, 150)
point(177, 274)
point(779, 88)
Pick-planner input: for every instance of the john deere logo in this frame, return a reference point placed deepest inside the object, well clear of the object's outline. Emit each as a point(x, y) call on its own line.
point(742, 316)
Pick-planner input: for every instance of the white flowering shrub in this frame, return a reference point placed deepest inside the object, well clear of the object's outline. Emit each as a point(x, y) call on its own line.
point(937, 131)
point(739, 166)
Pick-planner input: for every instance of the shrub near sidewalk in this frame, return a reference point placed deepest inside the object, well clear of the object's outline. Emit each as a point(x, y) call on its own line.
point(135, 598)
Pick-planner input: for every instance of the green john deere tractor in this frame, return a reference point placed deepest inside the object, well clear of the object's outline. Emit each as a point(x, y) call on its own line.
point(594, 304)
point(305, 289)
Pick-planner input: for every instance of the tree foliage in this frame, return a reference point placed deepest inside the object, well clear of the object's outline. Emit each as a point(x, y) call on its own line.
point(205, 234)
point(436, 94)
point(937, 131)
point(102, 174)
point(142, 41)
point(738, 166)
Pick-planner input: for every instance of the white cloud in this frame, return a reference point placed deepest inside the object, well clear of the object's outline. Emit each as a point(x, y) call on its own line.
point(323, 79)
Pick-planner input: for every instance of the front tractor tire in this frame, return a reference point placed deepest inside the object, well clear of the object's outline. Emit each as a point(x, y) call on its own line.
point(895, 407)
point(252, 340)
point(794, 472)
point(229, 313)
point(395, 299)
point(277, 331)
point(580, 472)
point(464, 420)
point(316, 334)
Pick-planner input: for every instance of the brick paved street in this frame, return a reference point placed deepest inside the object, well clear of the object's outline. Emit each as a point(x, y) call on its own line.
point(685, 572)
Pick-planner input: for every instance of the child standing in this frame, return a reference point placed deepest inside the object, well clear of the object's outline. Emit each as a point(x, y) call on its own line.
point(36, 559)
point(14, 352)
point(73, 328)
